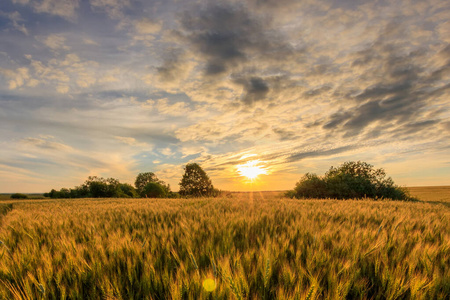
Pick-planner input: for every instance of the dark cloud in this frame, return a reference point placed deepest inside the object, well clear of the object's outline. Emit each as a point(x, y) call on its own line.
point(418, 126)
point(255, 89)
point(336, 119)
point(272, 3)
point(317, 91)
point(316, 153)
point(227, 35)
point(403, 88)
point(364, 57)
point(171, 68)
point(285, 135)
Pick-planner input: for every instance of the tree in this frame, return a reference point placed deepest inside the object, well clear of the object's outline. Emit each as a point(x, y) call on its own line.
point(350, 180)
point(311, 185)
point(154, 190)
point(145, 178)
point(99, 187)
point(195, 182)
point(127, 191)
point(96, 187)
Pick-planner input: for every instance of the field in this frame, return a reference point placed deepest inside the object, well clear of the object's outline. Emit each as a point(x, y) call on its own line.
point(239, 246)
point(435, 194)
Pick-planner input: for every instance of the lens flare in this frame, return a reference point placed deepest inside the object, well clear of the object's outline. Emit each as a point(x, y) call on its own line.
point(209, 284)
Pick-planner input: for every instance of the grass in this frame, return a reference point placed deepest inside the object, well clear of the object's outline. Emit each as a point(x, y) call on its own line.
point(253, 245)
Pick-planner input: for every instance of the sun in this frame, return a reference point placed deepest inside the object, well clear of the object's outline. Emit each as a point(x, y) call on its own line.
point(251, 169)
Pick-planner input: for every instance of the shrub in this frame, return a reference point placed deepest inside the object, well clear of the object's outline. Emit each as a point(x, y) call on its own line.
point(19, 196)
point(350, 180)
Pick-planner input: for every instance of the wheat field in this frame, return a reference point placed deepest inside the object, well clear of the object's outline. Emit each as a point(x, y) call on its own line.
point(238, 246)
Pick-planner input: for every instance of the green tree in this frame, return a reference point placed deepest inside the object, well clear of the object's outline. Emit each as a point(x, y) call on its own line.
point(53, 194)
point(195, 182)
point(311, 185)
point(96, 187)
point(100, 187)
point(64, 193)
point(127, 191)
point(350, 180)
point(154, 190)
point(145, 178)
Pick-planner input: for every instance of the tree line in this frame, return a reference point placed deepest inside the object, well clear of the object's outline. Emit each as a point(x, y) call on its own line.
point(351, 180)
point(195, 182)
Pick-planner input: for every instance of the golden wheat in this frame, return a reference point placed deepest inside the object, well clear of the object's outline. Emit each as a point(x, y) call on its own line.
point(268, 248)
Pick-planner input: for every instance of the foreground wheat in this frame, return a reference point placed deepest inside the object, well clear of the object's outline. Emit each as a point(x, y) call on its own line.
point(224, 248)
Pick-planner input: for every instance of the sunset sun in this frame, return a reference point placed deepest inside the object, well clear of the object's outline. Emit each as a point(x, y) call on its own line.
point(251, 169)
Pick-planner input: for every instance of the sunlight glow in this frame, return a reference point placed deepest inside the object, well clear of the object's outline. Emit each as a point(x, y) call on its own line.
point(251, 169)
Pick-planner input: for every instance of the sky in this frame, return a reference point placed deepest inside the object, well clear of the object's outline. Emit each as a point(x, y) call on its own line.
point(114, 88)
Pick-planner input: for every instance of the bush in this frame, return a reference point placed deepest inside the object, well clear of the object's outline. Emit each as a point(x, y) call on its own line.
point(350, 180)
point(154, 190)
point(19, 196)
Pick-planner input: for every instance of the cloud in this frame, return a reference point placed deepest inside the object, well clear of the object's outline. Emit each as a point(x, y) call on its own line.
point(89, 41)
point(174, 69)
point(114, 8)
point(316, 153)
point(146, 26)
point(175, 109)
point(193, 150)
point(54, 42)
point(62, 8)
point(130, 141)
point(444, 31)
point(23, 2)
point(166, 151)
point(46, 144)
point(16, 20)
point(227, 35)
point(65, 166)
point(18, 77)
point(255, 89)
point(64, 74)
point(401, 88)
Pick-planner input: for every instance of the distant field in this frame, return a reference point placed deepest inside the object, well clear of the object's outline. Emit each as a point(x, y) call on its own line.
point(240, 246)
point(30, 196)
point(431, 193)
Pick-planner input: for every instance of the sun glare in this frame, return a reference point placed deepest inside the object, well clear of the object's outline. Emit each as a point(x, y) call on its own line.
point(251, 169)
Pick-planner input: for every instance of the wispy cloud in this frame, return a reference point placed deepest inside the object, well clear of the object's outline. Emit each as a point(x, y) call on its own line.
point(62, 8)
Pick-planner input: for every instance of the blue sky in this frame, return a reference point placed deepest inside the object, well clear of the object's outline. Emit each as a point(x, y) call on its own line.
point(114, 88)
